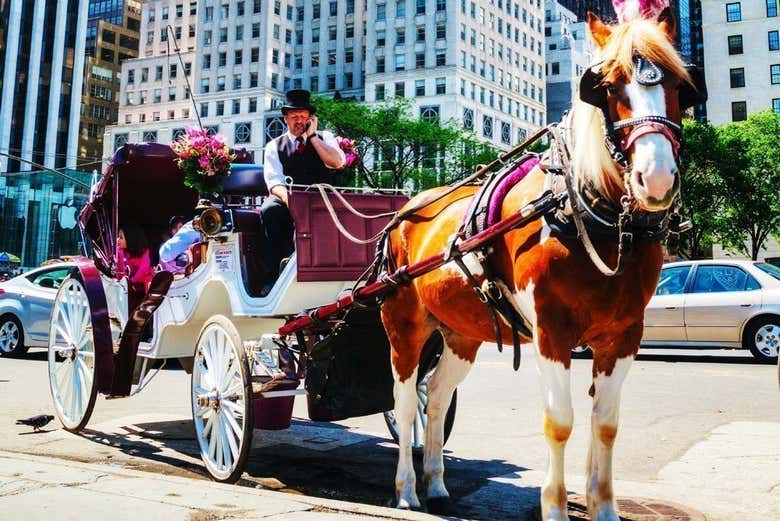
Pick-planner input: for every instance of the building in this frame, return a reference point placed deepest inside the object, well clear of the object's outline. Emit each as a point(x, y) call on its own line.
point(569, 53)
point(112, 37)
point(477, 63)
point(603, 8)
point(741, 58)
point(41, 70)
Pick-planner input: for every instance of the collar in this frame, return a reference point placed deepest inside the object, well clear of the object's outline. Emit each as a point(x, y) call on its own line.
point(293, 138)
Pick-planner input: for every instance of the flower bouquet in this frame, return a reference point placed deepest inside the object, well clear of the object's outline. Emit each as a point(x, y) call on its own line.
point(352, 158)
point(205, 160)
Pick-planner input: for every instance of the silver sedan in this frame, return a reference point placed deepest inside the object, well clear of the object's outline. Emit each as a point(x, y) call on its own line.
point(25, 308)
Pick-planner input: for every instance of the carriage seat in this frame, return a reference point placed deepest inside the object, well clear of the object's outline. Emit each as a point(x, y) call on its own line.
point(245, 180)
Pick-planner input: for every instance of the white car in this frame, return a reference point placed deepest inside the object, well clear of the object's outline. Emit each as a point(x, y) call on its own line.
point(715, 303)
point(25, 307)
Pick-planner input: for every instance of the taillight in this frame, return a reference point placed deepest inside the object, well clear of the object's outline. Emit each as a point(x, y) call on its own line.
point(2, 291)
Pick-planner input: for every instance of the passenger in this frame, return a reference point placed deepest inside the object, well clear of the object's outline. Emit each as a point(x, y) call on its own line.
point(133, 255)
point(176, 222)
point(304, 154)
point(175, 252)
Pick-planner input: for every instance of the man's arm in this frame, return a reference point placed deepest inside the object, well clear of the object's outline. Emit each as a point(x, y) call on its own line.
point(326, 146)
point(274, 172)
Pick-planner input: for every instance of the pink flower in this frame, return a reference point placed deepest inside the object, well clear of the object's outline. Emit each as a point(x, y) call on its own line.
point(628, 10)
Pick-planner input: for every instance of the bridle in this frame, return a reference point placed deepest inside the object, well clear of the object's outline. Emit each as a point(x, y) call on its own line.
point(646, 73)
point(594, 92)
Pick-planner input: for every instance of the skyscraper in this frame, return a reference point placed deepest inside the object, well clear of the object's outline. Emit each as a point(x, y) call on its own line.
point(41, 64)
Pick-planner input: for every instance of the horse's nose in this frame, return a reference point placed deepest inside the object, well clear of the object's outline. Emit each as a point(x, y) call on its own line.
point(655, 185)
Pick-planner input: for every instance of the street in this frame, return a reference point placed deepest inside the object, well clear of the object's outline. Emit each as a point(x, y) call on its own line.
point(697, 428)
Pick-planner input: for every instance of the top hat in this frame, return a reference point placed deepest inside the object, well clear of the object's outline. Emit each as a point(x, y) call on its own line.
point(298, 99)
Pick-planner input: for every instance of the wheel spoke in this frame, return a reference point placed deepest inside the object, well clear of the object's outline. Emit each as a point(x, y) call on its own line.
point(213, 437)
point(236, 429)
point(208, 426)
point(226, 450)
point(205, 377)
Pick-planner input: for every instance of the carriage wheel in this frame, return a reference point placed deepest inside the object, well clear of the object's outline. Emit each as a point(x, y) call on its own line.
point(72, 356)
point(222, 400)
point(420, 419)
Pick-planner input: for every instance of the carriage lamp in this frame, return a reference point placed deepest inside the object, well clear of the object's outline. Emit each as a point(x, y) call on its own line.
point(213, 221)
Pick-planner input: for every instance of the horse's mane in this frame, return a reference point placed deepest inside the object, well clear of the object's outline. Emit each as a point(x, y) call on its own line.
point(591, 160)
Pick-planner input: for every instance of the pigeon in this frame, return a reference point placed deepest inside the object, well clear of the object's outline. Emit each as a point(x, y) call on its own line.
point(36, 422)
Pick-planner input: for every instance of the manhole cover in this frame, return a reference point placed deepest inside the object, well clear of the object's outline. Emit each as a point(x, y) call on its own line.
point(638, 509)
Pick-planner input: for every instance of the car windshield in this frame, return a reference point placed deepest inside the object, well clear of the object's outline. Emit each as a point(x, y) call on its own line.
point(771, 269)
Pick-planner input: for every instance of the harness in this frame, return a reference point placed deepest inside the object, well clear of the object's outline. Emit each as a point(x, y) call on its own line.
point(569, 210)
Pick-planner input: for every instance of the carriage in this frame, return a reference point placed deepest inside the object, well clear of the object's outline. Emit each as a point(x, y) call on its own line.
point(220, 319)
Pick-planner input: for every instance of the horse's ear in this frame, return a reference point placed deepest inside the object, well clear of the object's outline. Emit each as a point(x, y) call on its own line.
point(599, 31)
point(668, 23)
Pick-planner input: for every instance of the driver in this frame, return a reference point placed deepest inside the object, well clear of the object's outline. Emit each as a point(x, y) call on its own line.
point(304, 154)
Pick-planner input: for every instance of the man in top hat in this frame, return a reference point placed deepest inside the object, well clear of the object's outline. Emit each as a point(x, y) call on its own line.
point(304, 154)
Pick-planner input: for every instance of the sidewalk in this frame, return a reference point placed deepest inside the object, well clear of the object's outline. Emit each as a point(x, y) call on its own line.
point(36, 488)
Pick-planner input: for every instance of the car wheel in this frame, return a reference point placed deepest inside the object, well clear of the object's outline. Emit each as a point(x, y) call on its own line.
point(11, 336)
point(762, 337)
point(583, 352)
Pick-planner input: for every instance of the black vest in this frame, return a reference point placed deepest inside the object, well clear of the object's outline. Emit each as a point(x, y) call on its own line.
point(305, 167)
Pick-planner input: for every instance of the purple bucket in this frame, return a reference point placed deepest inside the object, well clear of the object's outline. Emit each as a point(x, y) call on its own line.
point(274, 414)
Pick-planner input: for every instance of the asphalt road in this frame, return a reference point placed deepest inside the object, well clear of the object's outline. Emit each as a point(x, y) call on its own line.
point(697, 427)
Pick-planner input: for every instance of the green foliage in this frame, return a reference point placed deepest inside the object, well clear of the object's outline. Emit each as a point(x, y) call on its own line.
point(406, 151)
point(751, 172)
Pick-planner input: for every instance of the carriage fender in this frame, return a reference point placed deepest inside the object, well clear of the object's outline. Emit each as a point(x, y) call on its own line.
point(101, 328)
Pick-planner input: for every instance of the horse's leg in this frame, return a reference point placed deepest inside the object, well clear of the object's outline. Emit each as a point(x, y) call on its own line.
point(408, 326)
point(455, 363)
point(609, 372)
point(558, 421)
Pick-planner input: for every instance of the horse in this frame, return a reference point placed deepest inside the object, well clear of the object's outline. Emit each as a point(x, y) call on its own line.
point(548, 276)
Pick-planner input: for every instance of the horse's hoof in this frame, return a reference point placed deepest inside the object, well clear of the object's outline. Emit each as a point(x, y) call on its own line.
point(441, 506)
point(404, 505)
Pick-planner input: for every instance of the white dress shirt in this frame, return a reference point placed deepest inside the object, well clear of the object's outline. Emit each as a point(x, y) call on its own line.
point(272, 166)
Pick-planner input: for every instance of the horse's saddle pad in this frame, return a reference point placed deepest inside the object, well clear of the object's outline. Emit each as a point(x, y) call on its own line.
point(485, 209)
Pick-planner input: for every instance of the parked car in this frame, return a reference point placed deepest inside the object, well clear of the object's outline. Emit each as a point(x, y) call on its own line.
point(25, 308)
point(715, 303)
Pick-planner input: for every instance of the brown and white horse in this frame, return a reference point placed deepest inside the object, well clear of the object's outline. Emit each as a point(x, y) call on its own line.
point(553, 281)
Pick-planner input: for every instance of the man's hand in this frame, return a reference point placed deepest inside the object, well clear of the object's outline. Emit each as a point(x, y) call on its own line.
point(280, 191)
point(312, 127)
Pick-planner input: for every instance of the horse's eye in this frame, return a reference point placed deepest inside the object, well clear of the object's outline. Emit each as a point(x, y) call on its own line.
point(611, 89)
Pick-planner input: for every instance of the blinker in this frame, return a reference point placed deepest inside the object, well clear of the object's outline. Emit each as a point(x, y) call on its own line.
point(646, 72)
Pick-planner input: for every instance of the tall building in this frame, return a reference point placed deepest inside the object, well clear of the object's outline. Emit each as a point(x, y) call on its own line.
point(580, 8)
point(42, 69)
point(569, 53)
point(741, 58)
point(112, 37)
point(479, 63)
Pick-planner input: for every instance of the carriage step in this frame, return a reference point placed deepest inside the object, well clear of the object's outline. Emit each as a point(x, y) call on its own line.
point(270, 388)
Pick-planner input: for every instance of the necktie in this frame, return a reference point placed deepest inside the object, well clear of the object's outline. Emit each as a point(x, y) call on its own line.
point(299, 146)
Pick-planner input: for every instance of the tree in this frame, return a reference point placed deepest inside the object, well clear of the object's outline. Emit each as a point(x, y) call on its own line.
point(702, 188)
point(751, 172)
point(399, 150)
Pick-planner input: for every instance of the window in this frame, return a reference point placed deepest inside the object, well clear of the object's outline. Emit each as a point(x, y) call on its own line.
point(419, 60)
point(771, 8)
point(276, 32)
point(350, 31)
point(144, 74)
point(400, 62)
point(400, 36)
point(120, 140)
point(350, 6)
point(208, 15)
point(252, 104)
point(236, 81)
point(239, 33)
point(131, 76)
point(243, 132)
point(277, 7)
point(441, 58)
point(332, 33)
point(420, 9)
point(420, 33)
point(222, 59)
point(399, 89)
point(380, 12)
point(255, 30)
point(506, 132)
point(672, 281)
point(224, 11)
point(204, 85)
point(441, 31)
point(468, 119)
point(380, 38)
point(379, 92)
point(238, 57)
point(253, 79)
point(774, 72)
point(555, 68)
point(331, 81)
point(720, 279)
point(738, 111)
point(204, 110)
point(254, 54)
point(380, 64)
point(487, 126)
point(774, 41)
point(430, 114)
point(735, 44)
point(441, 86)
point(171, 93)
point(149, 136)
point(220, 83)
point(206, 37)
point(223, 35)
point(441, 5)
point(164, 13)
point(220, 108)
point(333, 8)
point(737, 77)
point(349, 56)
point(734, 12)
point(400, 9)
point(315, 35)
point(776, 105)
point(315, 11)
point(419, 88)
point(180, 10)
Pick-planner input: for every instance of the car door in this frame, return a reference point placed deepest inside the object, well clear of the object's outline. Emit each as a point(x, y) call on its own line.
point(664, 316)
point(721, 298)
point(41, 289)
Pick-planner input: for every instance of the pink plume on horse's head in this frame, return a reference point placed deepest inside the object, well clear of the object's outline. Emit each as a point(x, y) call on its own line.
point(628, 10)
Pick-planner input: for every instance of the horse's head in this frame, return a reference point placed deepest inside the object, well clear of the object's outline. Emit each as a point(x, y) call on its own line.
point(641, 86)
